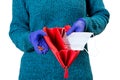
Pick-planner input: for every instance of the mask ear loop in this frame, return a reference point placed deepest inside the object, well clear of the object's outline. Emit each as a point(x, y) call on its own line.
point(90, 37)
point(95, 48)
point(86, 50)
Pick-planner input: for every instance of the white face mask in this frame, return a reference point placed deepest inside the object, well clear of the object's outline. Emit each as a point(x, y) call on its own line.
point(77, 40)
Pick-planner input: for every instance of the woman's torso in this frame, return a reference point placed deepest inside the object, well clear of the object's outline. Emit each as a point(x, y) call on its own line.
point(52, 13)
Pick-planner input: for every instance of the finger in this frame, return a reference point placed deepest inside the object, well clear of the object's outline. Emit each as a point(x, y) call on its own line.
point(37, 50)
point(40, 48)
point(45, 47)
point(45, 50)
point(42, 33)
point(78, 30)
point(70, 30)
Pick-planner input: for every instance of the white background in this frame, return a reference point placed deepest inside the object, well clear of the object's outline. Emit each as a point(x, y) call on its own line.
point(103, 49)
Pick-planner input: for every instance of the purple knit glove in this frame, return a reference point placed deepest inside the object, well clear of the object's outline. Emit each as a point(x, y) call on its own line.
point(78, 26)
point(38, 41)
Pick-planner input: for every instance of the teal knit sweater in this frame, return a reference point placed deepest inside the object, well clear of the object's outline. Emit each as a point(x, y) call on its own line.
point(31, 15)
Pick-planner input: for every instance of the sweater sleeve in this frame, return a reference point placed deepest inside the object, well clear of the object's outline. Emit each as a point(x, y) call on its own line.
point(97, 18)
point(19, 27)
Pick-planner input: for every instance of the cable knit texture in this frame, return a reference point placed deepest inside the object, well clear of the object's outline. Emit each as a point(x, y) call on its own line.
point(32, 15)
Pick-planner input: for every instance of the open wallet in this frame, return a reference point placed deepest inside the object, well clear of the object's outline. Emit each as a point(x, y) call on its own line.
point(57, 43)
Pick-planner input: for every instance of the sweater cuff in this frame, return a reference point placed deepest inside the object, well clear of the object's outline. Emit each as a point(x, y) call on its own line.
point(28, 47)
point(87, 23)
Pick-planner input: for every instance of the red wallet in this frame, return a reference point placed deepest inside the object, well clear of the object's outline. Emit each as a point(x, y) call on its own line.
point(64, 55)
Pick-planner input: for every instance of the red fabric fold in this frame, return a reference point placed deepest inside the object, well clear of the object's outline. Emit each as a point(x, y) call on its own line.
point(55, 42)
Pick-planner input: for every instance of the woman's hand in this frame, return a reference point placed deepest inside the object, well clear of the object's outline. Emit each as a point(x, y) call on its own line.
point(78, 26)
point(38, 42)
